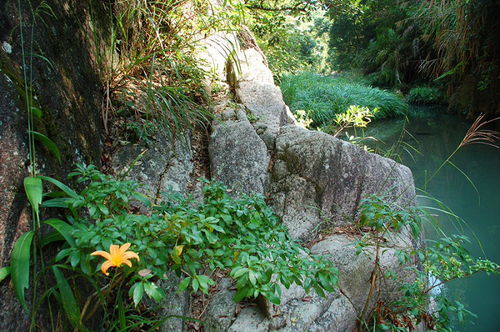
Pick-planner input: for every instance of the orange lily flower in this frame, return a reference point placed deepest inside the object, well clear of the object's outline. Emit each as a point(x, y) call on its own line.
point(116, 256)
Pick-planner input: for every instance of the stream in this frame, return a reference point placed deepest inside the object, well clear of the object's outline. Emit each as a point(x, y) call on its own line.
point(435, 135)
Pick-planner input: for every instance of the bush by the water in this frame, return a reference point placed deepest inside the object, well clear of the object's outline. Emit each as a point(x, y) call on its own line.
point(425, 95)
point(322, 97)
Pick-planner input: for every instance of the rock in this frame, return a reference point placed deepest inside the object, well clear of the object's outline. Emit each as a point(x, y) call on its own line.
point(355, 270)
point(215, 51)
point(238, 157)
point(314, 181)
point(162, 168)
point(298, 312)
point(173, 304)
point(250, 319)
point(256, 90)
point(222, 308)
point(318, 180)
point(313, 313)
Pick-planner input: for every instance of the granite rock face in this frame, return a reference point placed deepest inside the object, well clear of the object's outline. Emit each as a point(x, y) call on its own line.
point(355, 270)
point(162, 168)
point(318, 181)
point(238, 156)
point(314, 182)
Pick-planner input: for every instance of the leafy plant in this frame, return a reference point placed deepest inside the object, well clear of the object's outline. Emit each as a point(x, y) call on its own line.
point(238, 236)
point(425, 95)
point(441, 261)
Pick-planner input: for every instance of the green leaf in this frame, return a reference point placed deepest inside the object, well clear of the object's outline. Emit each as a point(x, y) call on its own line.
point(325, 283)
point(273, 298)
point(62, 228)
point(4, 272)
point(137, 292)
point(51, 238)
point(36, 112)
point(67, 190)
point(240, 294)
point(57, 203)
point(63, 253)
point(252, 277)
point(154, 291)
point(20, 266)
point(34, 190)
point(68, 300)
point(48, 143)
point(184, 284)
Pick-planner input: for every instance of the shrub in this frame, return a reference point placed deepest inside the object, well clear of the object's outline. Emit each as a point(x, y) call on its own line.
point(425, 95)
point(439, 262)
point(240, 237)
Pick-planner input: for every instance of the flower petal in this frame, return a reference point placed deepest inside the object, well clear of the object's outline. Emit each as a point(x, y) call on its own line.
point(101, 253)
point(124, 247)
point(105, 266)
point(114, 249)
point(131, 254)
point(127, 262)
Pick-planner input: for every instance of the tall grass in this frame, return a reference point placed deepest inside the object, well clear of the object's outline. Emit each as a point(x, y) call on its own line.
point(322, 97)
point(150, 57)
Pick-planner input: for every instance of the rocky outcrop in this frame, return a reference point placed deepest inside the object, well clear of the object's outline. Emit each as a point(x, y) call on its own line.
point(315, 183)
point(318, 180)
point(163, 167)
point(238, 156)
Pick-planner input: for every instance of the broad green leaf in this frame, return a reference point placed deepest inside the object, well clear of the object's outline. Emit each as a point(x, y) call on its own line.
point(62, 202)
point(4, 272)
point(67, 190)
point(195, 284)
point(240, 294)
point(63, 228)
point(273, 298)
point(34, 190)
point(154, 291)
point(20, 266)
point(48, 143)
point(68, 299)
point(252, 277)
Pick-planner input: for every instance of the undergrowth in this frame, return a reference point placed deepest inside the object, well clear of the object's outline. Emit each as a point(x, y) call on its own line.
point(240, 237)
point(432, 263)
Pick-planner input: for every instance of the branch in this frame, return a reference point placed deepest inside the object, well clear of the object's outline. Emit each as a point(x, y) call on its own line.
point(300, 6)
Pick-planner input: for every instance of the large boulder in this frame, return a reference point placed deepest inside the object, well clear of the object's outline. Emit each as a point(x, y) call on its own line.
point(238, 156)
point(256, 90)
point(355, 270)
point(164, 166)
point(318, 181)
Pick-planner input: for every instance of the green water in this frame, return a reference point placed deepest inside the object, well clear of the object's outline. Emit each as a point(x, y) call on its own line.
point(435, 136)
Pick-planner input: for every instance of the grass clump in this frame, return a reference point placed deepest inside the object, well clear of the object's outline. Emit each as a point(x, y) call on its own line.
point(322, 97)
